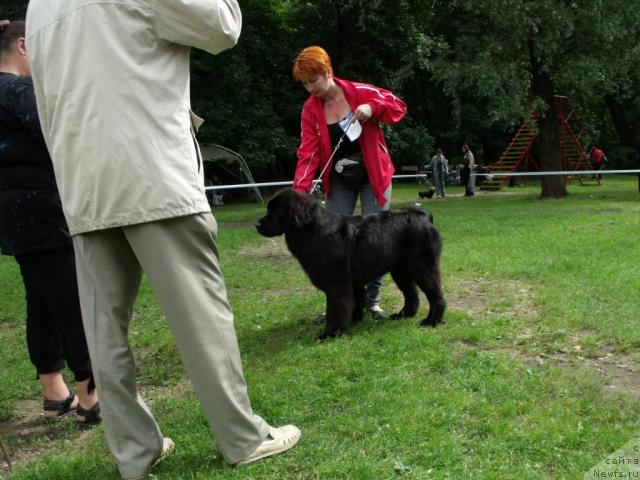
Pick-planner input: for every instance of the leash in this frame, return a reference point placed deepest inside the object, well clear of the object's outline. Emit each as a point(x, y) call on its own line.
point(316, 182)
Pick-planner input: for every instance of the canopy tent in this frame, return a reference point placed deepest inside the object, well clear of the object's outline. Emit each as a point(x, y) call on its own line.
point(222, 165)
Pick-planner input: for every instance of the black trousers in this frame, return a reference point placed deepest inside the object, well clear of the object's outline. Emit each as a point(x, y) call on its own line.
point(465, 175)
point(598, 167)
point(54, 323)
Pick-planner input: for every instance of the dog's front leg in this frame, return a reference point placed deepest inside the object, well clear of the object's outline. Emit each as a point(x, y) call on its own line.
point(359, 303)
point(339, 311)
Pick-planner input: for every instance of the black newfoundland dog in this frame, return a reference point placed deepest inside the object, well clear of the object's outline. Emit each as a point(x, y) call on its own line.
point(342, 254)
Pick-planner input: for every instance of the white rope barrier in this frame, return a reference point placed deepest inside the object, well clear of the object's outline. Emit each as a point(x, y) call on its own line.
point(570, 173)
point(248, 185)
point(284, 184)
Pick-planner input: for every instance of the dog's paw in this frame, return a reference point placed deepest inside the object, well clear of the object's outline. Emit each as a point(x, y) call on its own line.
point(427, 322)
point(326, 335)
point(402, 314)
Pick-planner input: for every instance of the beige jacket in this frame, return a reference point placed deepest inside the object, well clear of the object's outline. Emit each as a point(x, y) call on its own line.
point(112, 87)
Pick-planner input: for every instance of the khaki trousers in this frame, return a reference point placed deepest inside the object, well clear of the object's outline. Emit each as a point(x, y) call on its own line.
point(180, 258)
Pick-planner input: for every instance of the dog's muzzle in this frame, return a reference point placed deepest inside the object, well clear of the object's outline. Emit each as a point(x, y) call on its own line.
point(264, 229)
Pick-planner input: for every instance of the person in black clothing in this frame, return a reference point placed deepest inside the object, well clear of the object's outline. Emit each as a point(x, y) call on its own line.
point(34, 231)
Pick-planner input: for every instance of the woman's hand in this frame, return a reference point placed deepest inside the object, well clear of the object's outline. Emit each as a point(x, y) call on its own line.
point(363, 112)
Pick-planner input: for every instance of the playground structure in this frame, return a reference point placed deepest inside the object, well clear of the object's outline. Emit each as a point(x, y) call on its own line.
point(574, 135)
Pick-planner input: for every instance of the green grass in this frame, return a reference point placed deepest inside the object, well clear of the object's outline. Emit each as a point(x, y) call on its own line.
point(522, 381)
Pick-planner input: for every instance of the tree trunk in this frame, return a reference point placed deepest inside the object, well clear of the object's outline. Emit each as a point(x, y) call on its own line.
point(487, 154)
point(550, 160)
point(628, 131)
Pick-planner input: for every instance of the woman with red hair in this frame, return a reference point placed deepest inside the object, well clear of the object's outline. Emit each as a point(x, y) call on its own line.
point(350, 167)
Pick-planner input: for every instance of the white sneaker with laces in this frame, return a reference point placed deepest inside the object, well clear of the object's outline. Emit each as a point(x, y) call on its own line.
point(280, 440)
point(167, 448)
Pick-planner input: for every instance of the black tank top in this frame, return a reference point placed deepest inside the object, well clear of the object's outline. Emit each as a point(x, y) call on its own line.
point(347, 147)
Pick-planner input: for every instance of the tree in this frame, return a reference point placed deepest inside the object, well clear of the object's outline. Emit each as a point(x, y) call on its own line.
point(517, 55)
point(469, 70)
point(382, 43)
point(14, 9)
point(246, 93)
point(621, 78)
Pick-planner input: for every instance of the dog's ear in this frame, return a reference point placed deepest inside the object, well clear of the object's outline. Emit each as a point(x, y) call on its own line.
point(303, 208)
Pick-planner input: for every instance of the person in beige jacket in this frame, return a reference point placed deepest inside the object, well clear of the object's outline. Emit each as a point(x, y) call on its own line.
point(112, 88)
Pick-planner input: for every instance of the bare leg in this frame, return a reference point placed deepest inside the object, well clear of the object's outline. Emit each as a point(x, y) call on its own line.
point(86, 399)
point(54, 389)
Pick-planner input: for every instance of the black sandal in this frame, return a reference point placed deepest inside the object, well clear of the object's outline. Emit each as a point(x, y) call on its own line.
point(88, 417)
point(62, 408)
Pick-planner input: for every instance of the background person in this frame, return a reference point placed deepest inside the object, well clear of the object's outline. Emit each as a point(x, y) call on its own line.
point(331, 101)
point(598, 159)
point(470, 166)
point(464, 176)
point(34, 231)
point(112, 83)
point(440, 169)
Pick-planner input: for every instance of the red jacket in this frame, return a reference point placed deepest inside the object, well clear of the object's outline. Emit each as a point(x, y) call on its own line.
point(315, 146)
point(597, 156)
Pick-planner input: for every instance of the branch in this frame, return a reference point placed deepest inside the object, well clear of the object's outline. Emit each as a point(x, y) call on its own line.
point(6, 455)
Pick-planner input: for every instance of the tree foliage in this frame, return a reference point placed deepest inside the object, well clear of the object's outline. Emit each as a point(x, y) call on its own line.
point(518, 55)
point(469, 70)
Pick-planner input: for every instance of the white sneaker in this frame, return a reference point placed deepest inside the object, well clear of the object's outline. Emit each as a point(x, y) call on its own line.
point(167, 447)
point(280, 440)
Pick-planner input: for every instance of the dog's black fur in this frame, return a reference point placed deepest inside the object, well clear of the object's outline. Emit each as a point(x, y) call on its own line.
point(342, 254)
point(427, 193)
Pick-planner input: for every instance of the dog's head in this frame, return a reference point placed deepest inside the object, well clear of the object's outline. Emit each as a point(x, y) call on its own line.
point(286, 211)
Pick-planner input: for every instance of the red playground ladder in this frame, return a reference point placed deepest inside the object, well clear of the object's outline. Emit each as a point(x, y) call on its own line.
point(518, 155)
point(574, 134)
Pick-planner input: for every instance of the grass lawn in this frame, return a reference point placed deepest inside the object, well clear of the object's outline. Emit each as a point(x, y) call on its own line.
point(534, 374)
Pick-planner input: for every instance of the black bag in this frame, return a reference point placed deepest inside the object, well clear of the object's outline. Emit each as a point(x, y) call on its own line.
point(351, 169)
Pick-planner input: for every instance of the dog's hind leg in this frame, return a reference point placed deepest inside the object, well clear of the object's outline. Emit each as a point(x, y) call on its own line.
point(408, 288)
point(431, 284)
point(340, 303)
